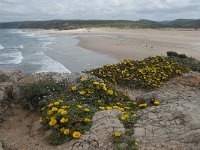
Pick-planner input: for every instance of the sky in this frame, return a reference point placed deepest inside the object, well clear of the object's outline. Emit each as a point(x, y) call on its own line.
point(158, 10)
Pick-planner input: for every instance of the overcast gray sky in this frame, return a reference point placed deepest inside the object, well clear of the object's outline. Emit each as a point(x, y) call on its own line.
point(18, 10)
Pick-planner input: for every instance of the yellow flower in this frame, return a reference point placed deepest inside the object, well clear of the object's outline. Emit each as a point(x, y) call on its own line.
point(76, 135)
point(110, 92)
point(79, 106)
point(126, 115)
point(123, 118)
point(62, 112)
point(74, 88)
point(104, 87)
point(95, 82)
point(109, 108)
point(87, 109)
point(83, 92)
point(50, 112)
point(120, 109)
point(62, 129)
point(66, 131)
point(134, 103)
point(115, 107)
point(117, 134)
point(90, 91)
point(83, 79)
point(60, 101)
point(143, 105)
point(178, 71)
point(87, 120)
point(102, 108)
point(54, 109)
point(99, 101)
point(64, 107)
point(56, 103)
point(53, 122)
point(50, 105)
point(156, 102)
point(128, 108)
point(41, 120)
point(63, 120)
point(119, 103)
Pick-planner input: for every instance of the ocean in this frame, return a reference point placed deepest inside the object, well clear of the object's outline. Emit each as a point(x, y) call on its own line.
point(34, 52)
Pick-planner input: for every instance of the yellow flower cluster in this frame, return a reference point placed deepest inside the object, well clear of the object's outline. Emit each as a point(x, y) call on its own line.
point(99, 91)
point(64, 117)
point(148, 73)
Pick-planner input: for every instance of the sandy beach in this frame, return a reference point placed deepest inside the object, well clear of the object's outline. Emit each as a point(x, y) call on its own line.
point(136, 43)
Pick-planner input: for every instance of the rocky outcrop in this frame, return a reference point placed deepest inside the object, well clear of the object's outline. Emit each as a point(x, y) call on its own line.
point(104, 125)
point(175, 124)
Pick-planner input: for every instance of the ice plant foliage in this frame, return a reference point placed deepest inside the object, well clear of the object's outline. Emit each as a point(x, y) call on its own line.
point(148, 73)
point(70, 113)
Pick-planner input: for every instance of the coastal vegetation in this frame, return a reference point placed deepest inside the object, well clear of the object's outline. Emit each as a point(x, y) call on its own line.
point(190, 62)
point(146, 74)
point(123, 24)
point(67, 109)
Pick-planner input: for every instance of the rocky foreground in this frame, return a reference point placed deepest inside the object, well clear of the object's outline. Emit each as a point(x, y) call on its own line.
point(174, 124)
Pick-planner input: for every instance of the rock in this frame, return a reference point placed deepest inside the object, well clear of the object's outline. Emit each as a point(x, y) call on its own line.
point(146, 98)
point(10, 75)
point(173, 125)
point(3, 78)
point(99, 137)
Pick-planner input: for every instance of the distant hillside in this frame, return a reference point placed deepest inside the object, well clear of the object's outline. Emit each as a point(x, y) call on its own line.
point(74, 24)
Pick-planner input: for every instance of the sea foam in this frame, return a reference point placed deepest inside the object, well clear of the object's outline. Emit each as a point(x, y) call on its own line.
point(14, 58)
point(1, 47)
point(50, 65)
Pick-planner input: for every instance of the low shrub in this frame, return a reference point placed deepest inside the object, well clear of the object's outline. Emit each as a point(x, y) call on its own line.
point(190, 62)
point(147, 74)
point(71, 116)
point(126, 142)
point(33, 95)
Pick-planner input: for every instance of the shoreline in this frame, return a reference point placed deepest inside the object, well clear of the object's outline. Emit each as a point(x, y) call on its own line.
point(135, 43)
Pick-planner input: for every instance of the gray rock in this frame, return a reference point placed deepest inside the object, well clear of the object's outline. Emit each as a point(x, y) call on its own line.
point(99, 137)
point(173, 125)
point(146, 98)
point(10, 75)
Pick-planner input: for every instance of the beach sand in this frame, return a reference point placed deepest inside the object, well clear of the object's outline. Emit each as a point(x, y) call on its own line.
point(137, 43)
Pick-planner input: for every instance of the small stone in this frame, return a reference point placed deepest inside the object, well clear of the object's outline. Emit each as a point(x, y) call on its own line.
point(146, 98)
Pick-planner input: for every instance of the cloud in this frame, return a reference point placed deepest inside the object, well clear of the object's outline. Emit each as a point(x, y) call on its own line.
point(16, 10)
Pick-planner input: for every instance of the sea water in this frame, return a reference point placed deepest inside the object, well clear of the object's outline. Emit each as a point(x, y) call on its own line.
point(28, 51)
